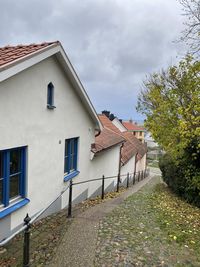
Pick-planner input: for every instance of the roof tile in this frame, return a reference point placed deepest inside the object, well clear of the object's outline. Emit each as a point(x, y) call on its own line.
point(132, 126)
point(10, 54)
point(131, 147)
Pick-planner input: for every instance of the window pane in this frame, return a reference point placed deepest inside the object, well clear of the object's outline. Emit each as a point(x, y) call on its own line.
point(1, 164)
point(75, 159)
point(72, 147)
point(66, 148)
point(1, 191)
point(71, 163)
point(66, 167)
point(14, 161)
point(14, 186)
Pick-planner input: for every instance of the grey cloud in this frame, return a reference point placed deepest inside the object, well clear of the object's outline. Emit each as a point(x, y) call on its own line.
point(111, 43)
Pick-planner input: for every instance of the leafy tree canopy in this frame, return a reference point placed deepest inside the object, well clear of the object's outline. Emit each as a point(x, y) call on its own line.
point(171, 102)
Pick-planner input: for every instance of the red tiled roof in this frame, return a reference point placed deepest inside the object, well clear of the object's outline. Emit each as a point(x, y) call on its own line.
point(105, 140)
point(132, 126)
point(128, 151)
point(108, 124)
point(9, 54)
point(132, 145)
point(140, 147)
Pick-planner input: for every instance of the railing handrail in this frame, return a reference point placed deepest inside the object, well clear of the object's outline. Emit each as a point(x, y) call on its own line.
point(108, 177)
point(6, 240)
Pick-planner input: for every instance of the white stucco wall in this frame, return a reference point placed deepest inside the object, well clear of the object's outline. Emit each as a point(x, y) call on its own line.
point(141, 164)
point(129, 167)
point(26, 121)
point(104, 163)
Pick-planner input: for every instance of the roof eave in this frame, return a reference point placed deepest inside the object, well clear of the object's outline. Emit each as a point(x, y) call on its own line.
point(25, 62)
point(107, 148)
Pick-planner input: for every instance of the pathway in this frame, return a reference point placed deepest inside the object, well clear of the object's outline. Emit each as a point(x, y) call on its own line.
point(77, 248)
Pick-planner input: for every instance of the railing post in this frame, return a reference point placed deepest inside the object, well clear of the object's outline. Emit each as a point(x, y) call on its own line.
point(118, 181)
point(103, 181)
point(138, 176)
point(70, 200)
point(127, 180)
point(26, 252)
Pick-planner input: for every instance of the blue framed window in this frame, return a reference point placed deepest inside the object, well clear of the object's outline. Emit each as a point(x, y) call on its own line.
point(71, 154)
point(50, 96)
point(12, 175)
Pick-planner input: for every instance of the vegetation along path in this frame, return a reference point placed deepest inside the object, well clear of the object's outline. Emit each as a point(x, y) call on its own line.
point(152, 227)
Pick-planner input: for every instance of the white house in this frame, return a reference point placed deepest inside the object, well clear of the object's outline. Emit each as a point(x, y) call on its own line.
point(134, 152)
point(50, 133)
point(106, 160)
point(47, 127)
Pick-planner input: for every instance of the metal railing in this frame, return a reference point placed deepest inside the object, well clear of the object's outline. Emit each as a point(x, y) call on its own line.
point(135, 177)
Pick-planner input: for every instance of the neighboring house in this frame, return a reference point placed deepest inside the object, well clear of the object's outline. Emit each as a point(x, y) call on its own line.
point(133, 154)
point(106, 159)
point(128, 152)
point(47, 127)
point(137, 131)
point(141, 148)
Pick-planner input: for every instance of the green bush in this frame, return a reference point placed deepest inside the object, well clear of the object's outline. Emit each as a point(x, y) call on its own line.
point(182, 176)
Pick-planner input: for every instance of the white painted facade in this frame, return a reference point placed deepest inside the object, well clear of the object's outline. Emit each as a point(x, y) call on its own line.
point(26, 121)
point(119, 125)
point(129, 167)
point(141, 164)
point(104, 163)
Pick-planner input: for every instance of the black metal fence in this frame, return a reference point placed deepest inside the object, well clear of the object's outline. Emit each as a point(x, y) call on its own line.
point(134, 177)
point(131, 179)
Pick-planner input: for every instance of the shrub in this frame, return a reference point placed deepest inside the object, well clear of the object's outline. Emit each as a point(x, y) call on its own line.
point(182, 176)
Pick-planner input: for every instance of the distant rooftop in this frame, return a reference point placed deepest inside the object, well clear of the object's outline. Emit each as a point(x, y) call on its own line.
point(130, 126)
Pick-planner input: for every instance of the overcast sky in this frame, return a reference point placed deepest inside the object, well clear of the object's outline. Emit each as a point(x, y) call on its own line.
point(113, 44)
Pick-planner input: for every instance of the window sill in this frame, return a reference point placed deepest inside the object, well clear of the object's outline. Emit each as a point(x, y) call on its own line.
point(50, 106)
point(8, 210)
point(69, 176)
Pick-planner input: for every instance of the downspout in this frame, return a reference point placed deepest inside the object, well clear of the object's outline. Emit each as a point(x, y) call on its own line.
point(135, 163)
point(119, 168)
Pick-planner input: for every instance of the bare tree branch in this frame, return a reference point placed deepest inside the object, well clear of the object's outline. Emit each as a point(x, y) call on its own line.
point(191, 34)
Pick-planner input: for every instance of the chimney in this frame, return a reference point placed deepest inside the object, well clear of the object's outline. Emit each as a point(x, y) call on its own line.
point(112, 116)
point(131, 121)
point(107, 113)
point(120, 120)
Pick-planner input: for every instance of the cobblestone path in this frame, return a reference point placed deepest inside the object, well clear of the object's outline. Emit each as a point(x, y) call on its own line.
point(131, 236)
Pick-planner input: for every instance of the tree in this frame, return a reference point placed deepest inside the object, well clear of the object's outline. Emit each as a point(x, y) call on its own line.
point(171, 102)
point(191, 34)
